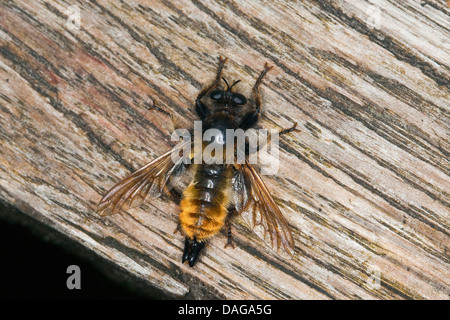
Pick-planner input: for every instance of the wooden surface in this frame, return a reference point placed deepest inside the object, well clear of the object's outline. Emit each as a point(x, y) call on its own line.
point(364, 185)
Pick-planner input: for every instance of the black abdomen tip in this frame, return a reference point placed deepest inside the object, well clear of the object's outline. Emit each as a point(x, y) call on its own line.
point(192, 249)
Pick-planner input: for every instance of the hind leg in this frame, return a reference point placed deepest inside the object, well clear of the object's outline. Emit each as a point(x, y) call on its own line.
point(231, 214)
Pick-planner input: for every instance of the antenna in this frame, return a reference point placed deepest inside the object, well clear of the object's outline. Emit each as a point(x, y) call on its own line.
point(228, 86)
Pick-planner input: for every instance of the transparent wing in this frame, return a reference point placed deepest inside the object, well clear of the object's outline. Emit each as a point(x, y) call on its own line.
point(155, 177)
point(253, 201)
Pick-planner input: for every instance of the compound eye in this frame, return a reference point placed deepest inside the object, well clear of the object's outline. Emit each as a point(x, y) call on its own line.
point(216, 94)
point(239, 98)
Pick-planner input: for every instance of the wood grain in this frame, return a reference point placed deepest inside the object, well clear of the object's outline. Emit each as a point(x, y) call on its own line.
point(364, 185)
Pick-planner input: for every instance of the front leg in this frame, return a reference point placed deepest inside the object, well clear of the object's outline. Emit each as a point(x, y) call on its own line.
point(251, 117)
point(216, 81)
point(255, 90)
point(201, 109)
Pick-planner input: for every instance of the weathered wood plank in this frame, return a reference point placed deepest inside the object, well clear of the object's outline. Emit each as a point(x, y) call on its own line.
point(365, 184)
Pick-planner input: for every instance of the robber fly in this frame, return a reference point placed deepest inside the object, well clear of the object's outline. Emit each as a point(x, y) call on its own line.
point(217, 192)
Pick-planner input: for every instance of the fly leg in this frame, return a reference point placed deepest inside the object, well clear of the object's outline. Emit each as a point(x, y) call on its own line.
point(156, 106)
point(250, 119)
point(249, 150)
point(255, 90)
point(216, 81)
point(176, 195)
point(291, 129)
point(201, 109)
point(229, 236)
point(178, 229)
point(177, 198)
point(231, 214)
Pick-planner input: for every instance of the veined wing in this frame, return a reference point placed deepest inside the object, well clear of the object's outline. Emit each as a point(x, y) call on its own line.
point(253, 201)
point(153, 178)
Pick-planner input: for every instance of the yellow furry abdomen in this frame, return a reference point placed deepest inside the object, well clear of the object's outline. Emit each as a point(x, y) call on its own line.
point(203, 211)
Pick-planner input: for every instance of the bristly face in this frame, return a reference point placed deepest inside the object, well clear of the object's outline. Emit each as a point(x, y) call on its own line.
point(226, 113)
point(227, 98)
